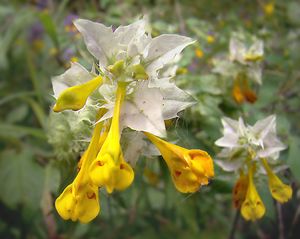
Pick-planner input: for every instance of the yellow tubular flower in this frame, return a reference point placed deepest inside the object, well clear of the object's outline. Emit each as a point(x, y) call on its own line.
point(241, 90)
point(80, 199)
point(269, 8)
point(253, 58)
point(240, 190)
point(189, 168)
point(210, 39)
point(110, 169)
point(199, 53)
point(237, 93)
point(280, 191)
point(74, 98)
point(253, 207)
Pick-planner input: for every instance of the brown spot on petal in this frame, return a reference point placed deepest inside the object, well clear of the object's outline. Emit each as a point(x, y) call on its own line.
point(99, 163)
point(177, 173)
point(91, 195)
point(122, 166)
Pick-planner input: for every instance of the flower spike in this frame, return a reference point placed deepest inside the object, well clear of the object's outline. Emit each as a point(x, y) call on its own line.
point(280, 191)
point(75, 97)
point(110, 169)
point(190, 169)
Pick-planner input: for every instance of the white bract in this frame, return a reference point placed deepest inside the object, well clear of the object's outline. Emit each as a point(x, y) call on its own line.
point(260, 140)
point(132, 44)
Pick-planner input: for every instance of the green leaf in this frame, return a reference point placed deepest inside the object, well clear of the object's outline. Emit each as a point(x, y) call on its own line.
point(49, 26)
point(17, 114)
point(16, 131)
point(209, 84)
point(38, 111)
point(208, 105)
point(18, 23)
point(52, 178)
point(22, 179)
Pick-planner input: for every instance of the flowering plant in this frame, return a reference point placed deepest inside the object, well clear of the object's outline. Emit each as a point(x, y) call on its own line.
point(127, 87)
point(243, 65)
point(251, 150)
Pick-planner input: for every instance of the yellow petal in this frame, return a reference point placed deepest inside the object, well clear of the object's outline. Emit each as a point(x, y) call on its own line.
point(82, 206)
point(199, 53)
point(280, 191)
point(106, 172)
point(110, 169)
point(190, 169)
point(253, 207)
point(210, 39)
point(201, 163)
point(185, 180)
point(80, 200)
point(253, 57)
point(74, 98)
point(269, 8)
point(237, 94)
point(65, 202)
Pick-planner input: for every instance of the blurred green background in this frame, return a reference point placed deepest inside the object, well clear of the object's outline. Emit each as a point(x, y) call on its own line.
point(39, 153)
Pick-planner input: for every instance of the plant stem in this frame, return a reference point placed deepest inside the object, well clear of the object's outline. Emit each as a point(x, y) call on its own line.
point(280, 221)
point(234, 225)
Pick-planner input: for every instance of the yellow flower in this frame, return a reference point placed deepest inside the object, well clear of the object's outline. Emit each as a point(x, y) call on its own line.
point(74, 98)
point(250, 57)
point(240, 190)
point(110, 169)
point(237, 93)
point(199, 53)
point(269, 8)
point(190, 169)
point(253, 207)
point(210, 39)
point(80, 199)
point(241, 91)
point(280, 191)
point(74, 59)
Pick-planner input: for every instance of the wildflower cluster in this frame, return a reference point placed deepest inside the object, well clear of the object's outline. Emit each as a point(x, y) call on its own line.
point(127, 88)
point(252, 150)
point(243, 66)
